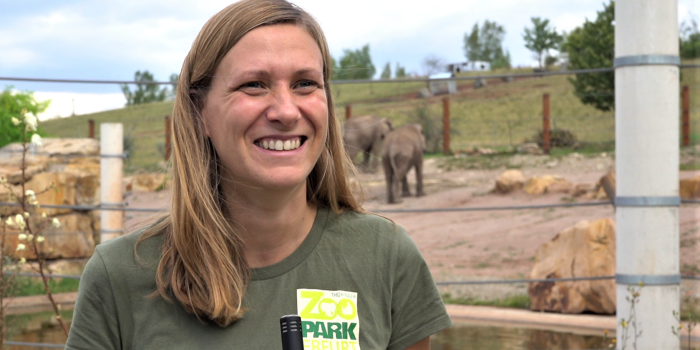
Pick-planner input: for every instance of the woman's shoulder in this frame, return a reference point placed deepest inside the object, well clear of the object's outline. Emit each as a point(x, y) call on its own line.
point(366, 227)
point(130, 247)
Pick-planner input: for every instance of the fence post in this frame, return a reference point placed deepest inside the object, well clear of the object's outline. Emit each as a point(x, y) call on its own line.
point(91, 128)
point(111, 168)
point(348, 111)
point(545, 123)
point(686, 116)
point(167, 137)
point(446, 125)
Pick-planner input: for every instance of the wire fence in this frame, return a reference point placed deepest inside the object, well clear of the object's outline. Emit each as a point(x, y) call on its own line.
point(497, 111)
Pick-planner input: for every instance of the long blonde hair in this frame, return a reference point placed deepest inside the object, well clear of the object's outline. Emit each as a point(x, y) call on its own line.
point(202, 263)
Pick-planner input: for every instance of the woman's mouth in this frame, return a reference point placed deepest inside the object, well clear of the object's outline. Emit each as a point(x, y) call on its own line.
point(280, 145)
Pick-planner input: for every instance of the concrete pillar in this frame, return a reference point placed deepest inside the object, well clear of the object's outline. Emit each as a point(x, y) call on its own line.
point(647, 151)
point(111, 173)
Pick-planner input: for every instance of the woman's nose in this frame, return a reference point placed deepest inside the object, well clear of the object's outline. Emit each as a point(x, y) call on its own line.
point(284, 108)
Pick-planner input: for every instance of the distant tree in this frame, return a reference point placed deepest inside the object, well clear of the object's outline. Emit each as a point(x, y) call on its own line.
point(356, 64)
point(690, 39)
point(173, 80)
point(386, 72)
point(432, 64)
point(486, 44)
point(399, 72)
point(541, 38)
point(593, 46)
point(144, 93)
point(11, 106)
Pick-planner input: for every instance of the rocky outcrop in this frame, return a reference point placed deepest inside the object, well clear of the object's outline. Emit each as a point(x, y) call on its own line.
point(584, 250)
point(60, 172)
point(510, 181)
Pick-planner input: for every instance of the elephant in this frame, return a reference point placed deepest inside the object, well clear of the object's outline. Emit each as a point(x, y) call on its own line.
point(403, 149)
point(365, 134)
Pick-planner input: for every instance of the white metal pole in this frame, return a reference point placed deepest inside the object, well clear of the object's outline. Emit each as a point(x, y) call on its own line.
point(111, 168)
point(647, 150)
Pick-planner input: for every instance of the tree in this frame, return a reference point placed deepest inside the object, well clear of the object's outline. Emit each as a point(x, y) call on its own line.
point(400, 72)
point(356, 64)
point(541, 38)
point(432, 64)
point(144, 93)
point(593, 46)
point(173, 83)
point(690, 39)
point(12, 104)
point(486, 44)
point(386, 72)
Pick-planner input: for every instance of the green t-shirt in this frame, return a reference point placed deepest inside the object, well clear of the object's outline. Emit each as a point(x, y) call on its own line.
point(357, 280)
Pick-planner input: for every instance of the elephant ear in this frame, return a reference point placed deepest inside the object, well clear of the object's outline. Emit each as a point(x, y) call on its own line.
point(389, 124)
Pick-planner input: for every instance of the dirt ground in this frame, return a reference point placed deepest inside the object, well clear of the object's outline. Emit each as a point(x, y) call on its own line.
point(489, 244)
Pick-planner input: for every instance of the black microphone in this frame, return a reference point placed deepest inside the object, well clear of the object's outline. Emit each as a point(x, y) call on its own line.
point(290, 326)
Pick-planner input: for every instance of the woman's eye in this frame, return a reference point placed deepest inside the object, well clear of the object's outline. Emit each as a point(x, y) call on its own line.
point(306, 84)
point(251, 85)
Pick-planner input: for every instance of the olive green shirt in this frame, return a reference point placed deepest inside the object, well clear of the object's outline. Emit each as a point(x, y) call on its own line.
point(357, 280)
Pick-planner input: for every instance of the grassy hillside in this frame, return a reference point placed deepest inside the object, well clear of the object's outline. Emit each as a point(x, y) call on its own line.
point(501, 114)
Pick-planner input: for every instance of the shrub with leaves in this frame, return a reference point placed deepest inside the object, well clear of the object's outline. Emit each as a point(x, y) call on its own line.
point(557, 138)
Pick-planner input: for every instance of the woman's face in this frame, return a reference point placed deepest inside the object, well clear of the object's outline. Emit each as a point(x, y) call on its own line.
point(266, 111)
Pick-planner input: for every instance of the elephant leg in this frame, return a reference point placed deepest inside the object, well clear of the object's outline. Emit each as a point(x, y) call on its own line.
point(389, 178)
point(419, 176)
point(405, 192)
point(365, 160)
point(374, 154)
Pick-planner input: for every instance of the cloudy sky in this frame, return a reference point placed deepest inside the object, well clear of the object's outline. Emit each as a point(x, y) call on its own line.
point(81, 39)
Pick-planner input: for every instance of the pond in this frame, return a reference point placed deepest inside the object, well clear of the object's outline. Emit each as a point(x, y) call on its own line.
point(473, 336)
point(43, 328)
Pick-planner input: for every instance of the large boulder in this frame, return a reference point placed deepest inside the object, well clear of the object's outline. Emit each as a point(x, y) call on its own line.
point(147, 182)
point(87, 182)
point(73, 239)
point(509, 181)
point(584, 250)
point(690, 188)
point(547, 184)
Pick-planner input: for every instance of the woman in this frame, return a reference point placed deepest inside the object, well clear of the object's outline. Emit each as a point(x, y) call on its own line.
point(263, 222)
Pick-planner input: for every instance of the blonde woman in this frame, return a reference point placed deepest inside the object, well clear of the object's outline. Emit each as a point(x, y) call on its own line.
point(263, 222)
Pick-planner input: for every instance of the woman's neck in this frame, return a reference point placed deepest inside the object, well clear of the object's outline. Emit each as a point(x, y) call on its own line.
point(273, 224)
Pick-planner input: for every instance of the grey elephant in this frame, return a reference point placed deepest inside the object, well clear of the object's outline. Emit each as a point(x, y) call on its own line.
point(403, 149)
point(365, 134)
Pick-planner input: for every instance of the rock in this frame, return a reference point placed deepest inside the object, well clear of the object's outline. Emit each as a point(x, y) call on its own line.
point(608, 184)
point(54, 188)
point(87, 183)
point(560, 187)
point(585, 250)
point(7, 197)
point(479, 83)
point(552, 164)
point(148, 182)
point(542, 184)
point(64, 147)
point(582, 189)
point(690, 188)
point(509, 181)
point(13, 173)
point(74, 239)
point(529, 148)
point(424, 93)
point(486, 151)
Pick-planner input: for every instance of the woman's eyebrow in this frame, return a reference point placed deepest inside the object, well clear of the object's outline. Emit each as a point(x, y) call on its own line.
point(308, 71)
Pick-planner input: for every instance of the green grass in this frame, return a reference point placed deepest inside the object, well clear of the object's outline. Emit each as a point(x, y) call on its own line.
point(26, 286)
point(520, 301)
point(497, 116)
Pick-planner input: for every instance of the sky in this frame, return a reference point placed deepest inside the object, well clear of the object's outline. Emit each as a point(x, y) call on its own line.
point(110, 40)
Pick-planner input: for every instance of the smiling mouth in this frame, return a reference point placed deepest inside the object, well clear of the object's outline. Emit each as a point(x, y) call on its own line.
point(280, 145)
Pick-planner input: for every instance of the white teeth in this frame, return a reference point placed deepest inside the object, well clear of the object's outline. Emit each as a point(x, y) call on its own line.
point(279, 145)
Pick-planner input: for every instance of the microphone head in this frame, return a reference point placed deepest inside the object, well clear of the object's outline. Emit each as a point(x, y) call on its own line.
point(290, 327)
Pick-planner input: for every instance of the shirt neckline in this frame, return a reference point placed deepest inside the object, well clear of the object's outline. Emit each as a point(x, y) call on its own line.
point(300, 254)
